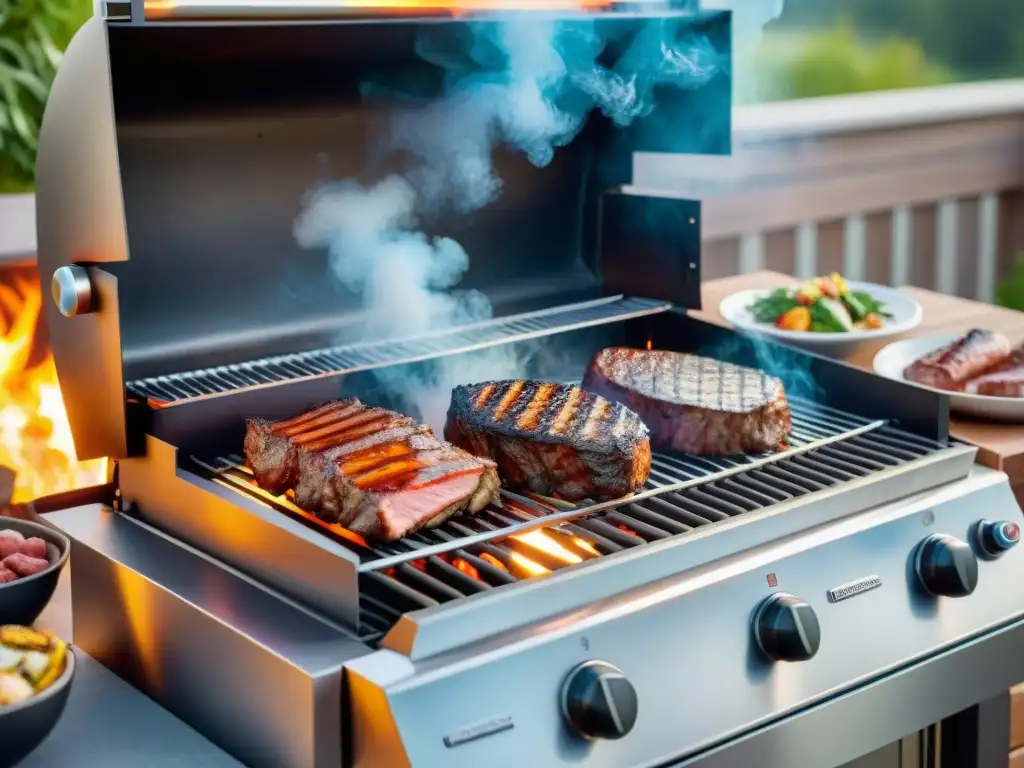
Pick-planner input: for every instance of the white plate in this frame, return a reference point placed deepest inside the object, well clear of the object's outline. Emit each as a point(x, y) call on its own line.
point(894, 358)
point(906, 315)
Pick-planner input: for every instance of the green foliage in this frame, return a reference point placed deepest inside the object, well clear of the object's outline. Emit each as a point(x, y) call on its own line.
point(1010, 292)
point(836, 61)
point(33, 33)
point(978, 39)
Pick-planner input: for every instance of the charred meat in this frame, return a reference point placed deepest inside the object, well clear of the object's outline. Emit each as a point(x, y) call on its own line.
point(552, 439)
point(694, 404)
point(952, 366)
point(373, 471)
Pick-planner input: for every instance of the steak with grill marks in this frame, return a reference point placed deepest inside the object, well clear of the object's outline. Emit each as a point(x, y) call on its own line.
point(373, 471)
point(952, 366)
point(693, 404)
point(552, 439)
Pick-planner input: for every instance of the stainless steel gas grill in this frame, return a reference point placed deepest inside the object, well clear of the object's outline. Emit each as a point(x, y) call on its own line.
point(211, 179)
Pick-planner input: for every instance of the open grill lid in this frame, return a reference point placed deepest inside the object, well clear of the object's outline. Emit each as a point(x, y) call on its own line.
point(177, 155)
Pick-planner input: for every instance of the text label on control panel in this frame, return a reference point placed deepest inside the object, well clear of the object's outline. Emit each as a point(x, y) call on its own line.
point(854, 588)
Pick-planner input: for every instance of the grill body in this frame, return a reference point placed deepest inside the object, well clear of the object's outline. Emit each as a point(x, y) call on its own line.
point(177, 148)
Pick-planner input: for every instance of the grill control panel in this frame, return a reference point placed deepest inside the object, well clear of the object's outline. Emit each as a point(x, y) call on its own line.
point(993, 539)
point(656, 673)
point(598, 702)
point(786, 628)
point(946, 566)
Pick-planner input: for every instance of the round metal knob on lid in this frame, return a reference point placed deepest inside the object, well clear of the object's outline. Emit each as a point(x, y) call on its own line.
point(995, 538)
point(72, 290)
point(598, 702)
point(786, 628)
point(946, 566)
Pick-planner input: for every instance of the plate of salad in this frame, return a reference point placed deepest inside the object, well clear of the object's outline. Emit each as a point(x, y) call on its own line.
point(826, 314)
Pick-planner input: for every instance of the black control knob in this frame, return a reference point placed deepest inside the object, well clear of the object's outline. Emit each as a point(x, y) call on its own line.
point(996, 538)
point(946, 566)
point(598, 702)
point(786, 628)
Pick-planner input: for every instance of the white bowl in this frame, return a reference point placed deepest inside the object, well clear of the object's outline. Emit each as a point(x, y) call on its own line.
point(894, 358)
point(906, 315)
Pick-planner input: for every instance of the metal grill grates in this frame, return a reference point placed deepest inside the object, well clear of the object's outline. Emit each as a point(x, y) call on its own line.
point(367, 355)
point(442, 578)
point(828, 446)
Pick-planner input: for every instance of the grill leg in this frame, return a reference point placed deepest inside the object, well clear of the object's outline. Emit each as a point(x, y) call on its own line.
point(977, 737)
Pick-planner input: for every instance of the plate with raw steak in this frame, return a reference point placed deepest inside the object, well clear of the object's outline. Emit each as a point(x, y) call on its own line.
point(552, 439)
point(373, 471)
point(694, 404)
point(981, 370)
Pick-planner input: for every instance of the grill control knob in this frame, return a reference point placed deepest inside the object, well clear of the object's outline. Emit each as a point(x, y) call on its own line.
point(946, 566)
point(598, 702)
point(72, 290)
point(996, 538)
point(786, 628)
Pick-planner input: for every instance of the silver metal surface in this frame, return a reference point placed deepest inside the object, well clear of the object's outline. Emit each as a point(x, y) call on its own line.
point(72, 291)
point(80, 217)
point(854, 588)
point(685, 644)
point(434, 631)
point(362, 356)
point(92, 732)
point(255, 673)
point(244, 532)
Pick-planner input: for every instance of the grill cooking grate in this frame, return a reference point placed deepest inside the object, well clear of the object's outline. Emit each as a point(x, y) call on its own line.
point(437, 579)
point(828, 446)
point(367, 355)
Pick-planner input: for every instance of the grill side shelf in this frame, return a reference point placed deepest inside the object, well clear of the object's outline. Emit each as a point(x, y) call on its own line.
point(823, 452)
point(162, 391)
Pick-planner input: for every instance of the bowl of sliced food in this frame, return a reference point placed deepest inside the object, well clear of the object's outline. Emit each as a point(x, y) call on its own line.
point(31, 559)
point(36, 669)
point(828, 315)
point(982, 372)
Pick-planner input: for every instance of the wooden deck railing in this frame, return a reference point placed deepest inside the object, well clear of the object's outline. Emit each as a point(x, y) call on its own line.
point(921, 187)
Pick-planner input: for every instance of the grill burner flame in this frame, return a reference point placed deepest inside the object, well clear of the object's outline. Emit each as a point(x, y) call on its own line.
point(35, 437)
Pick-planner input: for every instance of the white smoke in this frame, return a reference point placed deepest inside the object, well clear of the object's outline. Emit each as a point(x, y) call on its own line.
point(537, 101)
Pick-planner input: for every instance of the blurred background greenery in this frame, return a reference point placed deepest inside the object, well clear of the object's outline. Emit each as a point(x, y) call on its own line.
point(33, 33)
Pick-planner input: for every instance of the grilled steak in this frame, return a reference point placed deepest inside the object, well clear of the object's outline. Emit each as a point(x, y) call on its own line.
point(552, 439)
point(1005, 379)
point(373, 471)
point(1004, 383)
point(271, 447)
point(966, 358)
point(694, 404)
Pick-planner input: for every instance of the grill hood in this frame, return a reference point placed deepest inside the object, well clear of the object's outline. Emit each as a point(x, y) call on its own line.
point(177, 152)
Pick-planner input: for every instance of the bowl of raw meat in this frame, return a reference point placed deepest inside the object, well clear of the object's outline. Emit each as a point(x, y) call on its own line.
point(980, 370)
point(828, 315)
point(31, 559)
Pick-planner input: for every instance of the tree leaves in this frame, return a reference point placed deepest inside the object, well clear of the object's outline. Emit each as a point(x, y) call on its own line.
point(32, 35)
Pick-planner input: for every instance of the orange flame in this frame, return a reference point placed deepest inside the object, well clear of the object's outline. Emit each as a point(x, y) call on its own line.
point(649, 344)
point(35, 437)
point(542, 541)
point(461, 565)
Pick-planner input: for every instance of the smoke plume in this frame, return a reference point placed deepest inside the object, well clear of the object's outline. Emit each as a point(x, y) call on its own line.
point(527, 85)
